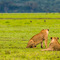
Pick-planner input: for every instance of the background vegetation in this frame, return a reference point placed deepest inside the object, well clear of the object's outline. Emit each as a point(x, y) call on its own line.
point(29, 6)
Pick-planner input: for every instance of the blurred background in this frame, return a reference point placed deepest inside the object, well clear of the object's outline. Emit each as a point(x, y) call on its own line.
point(29, 6)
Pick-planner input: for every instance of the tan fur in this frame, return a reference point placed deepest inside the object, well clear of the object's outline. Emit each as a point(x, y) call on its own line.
point(38, 38)
point(54, 45)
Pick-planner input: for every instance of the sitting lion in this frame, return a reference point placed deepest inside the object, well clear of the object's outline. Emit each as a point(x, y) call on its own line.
point(38, 38)
point(54, 45)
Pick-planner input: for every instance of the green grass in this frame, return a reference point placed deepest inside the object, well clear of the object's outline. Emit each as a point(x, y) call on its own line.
point(30, 15)
point(15, 34)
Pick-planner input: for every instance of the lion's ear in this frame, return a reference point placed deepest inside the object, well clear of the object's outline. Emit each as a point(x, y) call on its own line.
point(50, 37)
point(57, 37)
point(48, 29)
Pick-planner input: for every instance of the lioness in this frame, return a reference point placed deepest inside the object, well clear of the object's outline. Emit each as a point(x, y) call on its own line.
point(38, 38)
point(54, 45)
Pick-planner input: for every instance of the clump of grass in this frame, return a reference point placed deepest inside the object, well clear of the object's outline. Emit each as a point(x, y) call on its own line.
point(7, 22)
point(31, 21)
point(7, 52)
point(27, 23)
point(44, 20)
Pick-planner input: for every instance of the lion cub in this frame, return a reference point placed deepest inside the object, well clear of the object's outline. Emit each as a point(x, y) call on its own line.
point(38, 38)
point(54, 45)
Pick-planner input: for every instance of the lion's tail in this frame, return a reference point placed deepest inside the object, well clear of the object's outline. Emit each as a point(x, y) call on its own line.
point(48, 49)
point(27, 46)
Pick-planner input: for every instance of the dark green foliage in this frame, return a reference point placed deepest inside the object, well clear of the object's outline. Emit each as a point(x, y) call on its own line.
point(29, 6)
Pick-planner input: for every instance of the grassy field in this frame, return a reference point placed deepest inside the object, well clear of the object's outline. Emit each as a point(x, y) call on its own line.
point(15, 34)
point(30, 15)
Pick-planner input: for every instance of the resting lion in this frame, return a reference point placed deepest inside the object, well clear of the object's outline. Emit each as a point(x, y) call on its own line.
point(54, 45)
point(38, 38)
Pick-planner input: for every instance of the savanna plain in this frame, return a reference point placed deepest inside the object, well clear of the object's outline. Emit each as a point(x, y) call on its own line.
point(17, 28)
